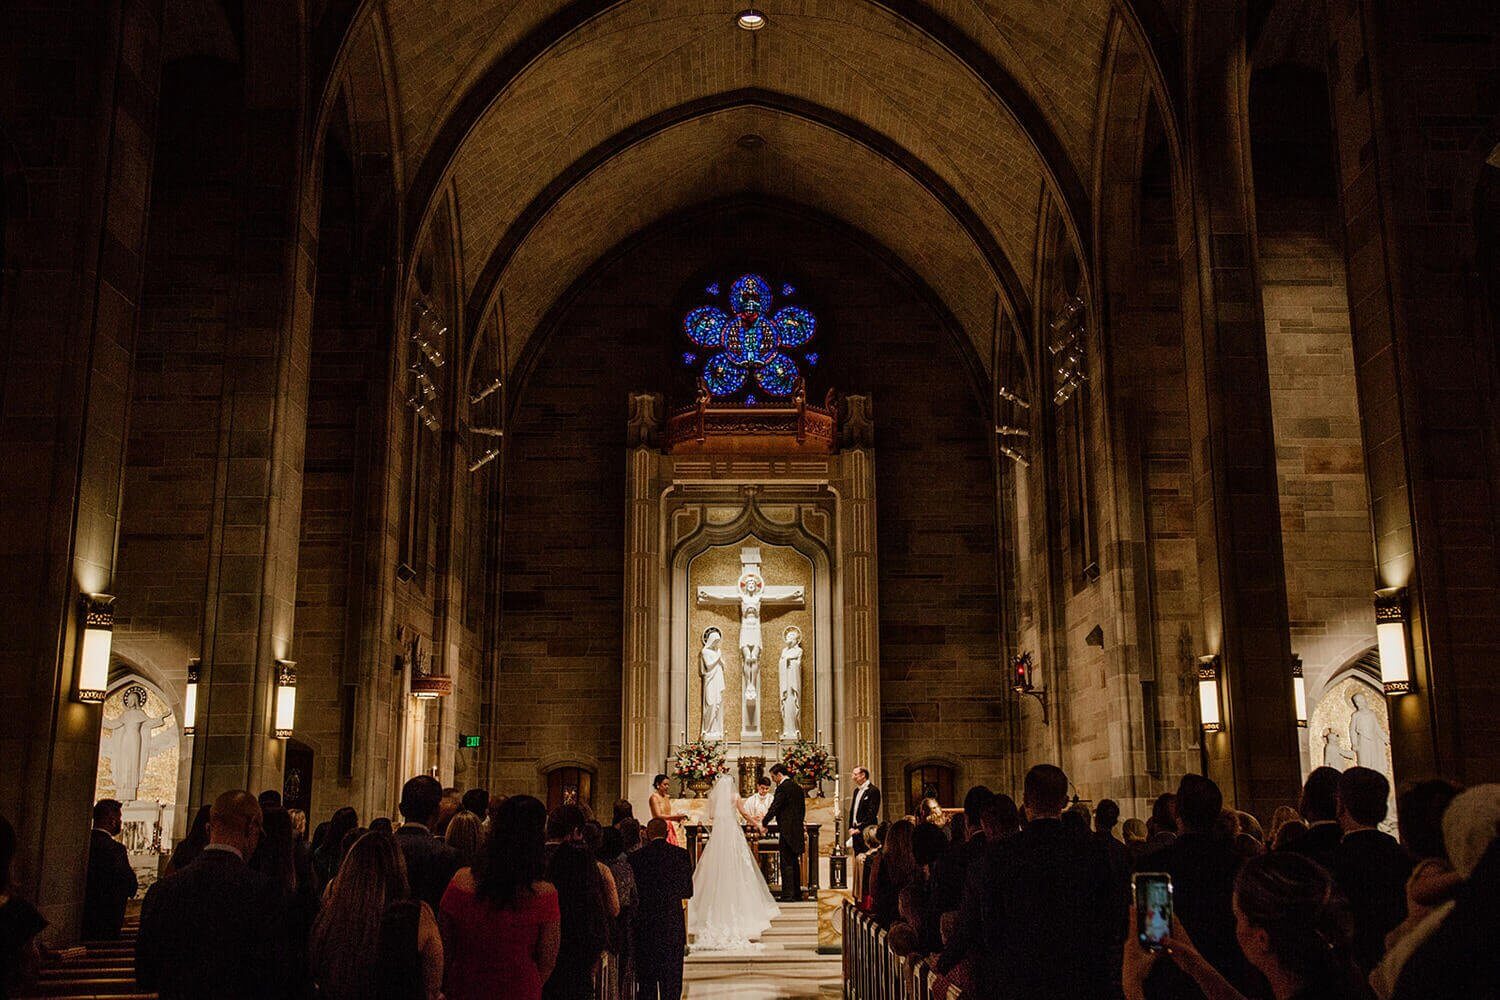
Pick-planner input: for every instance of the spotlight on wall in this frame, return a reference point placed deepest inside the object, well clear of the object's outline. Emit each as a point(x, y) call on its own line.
point(1015, 456)
point(1011, 397)
point(286, 698)
point(750, 19)
point(1390, 635)
point(480, 396)
point(1006, 430)
point(1299, 692)
point(489, 456)
point(97, 612)
point(1208, 693)
point(190, 700)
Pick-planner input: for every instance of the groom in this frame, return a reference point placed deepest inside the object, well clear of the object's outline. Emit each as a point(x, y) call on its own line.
point(789, 812)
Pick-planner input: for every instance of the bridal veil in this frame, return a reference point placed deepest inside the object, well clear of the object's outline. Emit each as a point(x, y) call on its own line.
point(731, 904)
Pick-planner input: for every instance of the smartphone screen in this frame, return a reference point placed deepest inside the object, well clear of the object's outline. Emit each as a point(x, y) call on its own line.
point(1153, 907)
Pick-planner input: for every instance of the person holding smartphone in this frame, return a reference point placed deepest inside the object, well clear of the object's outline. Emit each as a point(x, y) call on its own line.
point(1290, 921)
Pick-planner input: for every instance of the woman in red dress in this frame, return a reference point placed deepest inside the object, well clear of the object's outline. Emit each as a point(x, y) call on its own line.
point(501, 922)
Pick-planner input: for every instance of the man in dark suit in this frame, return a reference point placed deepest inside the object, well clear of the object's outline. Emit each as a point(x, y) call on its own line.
point(1203, 864)
point(1036, 907)
point(430, 862)
point(1319, 807)
point(216, 928)
point(111, 880)
point(789, 812)
point(1368, 865)
point(663, 879)
point(864, 808)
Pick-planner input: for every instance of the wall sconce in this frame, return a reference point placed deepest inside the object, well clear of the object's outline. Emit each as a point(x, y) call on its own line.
point(1390, 635)
point(98, 614)
point(190, 701)
point(286, 698)
point(1022, 668)
point(1299, 692)
point(1208, 693)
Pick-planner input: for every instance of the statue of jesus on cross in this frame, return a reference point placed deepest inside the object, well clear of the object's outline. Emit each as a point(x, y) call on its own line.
point(750, 593)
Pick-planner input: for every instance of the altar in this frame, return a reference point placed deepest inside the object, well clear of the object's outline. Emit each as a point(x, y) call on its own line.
point(750, 577)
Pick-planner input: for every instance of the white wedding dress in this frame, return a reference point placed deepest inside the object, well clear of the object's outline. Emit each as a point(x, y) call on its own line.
point(731, 904)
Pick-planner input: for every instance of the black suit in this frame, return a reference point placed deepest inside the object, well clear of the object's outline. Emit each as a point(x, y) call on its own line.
point(1371, 869)
point(215, 929)
point(430, 863)
point(1319, 843)
point(1036, 916)
point(789, 812)
point(663, 879)
point(111, 883)
point(864, 810)
point(1203, 867)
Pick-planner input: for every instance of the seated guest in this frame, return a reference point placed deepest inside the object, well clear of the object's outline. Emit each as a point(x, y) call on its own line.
point(371, 939)
point(897, 865)
point(1369, 866)
point(663, 879)
point(20, 923)
point(1036, 908)
point(1452, 953)
point(1294, 929)
point(430, 863)
point(1203, 864)
point(216, 928)
point(111, 882)
point(1320, 810)
point(500, 918)
point(464, 835)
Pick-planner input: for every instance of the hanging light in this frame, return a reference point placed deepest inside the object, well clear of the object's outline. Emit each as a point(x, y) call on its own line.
point(750, 19)
point(1299, 692)
point(1390, 635)
point(98, 613)
point(286, 698)
point(190, 702)
point(1208, 693)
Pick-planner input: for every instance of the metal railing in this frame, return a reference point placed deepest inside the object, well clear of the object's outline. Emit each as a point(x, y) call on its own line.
point(872, 971)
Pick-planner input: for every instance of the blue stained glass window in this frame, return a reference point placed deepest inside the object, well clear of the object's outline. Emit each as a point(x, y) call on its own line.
point(752, 341)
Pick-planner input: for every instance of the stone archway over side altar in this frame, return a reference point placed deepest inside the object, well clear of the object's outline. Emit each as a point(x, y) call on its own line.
point(723, 501)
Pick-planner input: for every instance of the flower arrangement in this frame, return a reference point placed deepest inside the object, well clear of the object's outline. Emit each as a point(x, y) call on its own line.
point(808, 761)
point(700, 760)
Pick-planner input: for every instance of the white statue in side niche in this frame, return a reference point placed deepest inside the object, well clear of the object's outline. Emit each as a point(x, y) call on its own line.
point(711, 669)
point(791, 684)
point(1336, 754)
point(132, 738)
point(1366, 736)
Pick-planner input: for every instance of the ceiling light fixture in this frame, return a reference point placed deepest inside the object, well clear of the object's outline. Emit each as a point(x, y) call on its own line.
point(750, 19)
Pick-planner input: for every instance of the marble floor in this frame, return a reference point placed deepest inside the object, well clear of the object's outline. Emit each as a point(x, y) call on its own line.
point(785, 966)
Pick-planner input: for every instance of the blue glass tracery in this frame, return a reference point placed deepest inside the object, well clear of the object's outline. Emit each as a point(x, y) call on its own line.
point(751, 341)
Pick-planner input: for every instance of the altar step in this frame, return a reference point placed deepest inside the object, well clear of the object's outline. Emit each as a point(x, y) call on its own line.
point(786, 964)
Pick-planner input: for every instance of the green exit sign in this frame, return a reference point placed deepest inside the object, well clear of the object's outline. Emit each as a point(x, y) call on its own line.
point(468, 742)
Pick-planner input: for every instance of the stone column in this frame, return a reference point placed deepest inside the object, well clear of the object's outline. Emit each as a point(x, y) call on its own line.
point(857, 667)
point(647, 611)
point(77, 140)
point(1241, 572)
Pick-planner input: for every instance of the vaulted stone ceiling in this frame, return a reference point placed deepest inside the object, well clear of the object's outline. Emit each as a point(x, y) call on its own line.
point(554, 131)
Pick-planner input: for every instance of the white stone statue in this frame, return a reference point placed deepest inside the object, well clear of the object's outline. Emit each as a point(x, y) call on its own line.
point(132, 738)
point(791, 684)
point(1366, 737)
point(1335, 753)
point(711, 669)
point(751, 594)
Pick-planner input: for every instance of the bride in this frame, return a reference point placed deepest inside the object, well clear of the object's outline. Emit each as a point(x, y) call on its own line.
point(731, 903)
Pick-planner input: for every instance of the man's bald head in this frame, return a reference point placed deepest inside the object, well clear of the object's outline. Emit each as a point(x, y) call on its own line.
point(234, 821)
point(656, 830)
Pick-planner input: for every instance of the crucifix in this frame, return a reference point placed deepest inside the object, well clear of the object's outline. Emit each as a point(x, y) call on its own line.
point(750, 593)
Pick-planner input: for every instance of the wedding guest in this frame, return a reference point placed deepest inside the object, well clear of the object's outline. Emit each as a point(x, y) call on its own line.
point(20, 923)
point(1292, 925)
point(621, 938)
point(928, 811)
point(464, 835)
point(382, 824)
point(501, 919)
point(1290, 832)
point(269, 799)
point(1078, 816)
point(188, 847)
point(630, 833)
point(1203, 864)
point(1161, 828)
point(276, 858)
point(581, 895)
point(951, 869)
point(1433, 880)
point(111, 882)
point(330, 851)
point(430, 863)
point(1281, 817)
point(371, 939)
point(217, 928)
point(623, 810)
point(864, 807)
point(917, 903)
point(1319, 807)
point(1368, 865)
point(1135, 838)
point(476, 802)
point(663, 878)
point(1036, 910)
point(449, 806)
